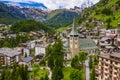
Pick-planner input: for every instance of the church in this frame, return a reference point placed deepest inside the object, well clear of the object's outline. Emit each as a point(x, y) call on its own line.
point(77, 44)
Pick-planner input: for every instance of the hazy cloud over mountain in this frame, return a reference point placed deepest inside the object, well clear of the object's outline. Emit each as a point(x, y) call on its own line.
point(55, 4)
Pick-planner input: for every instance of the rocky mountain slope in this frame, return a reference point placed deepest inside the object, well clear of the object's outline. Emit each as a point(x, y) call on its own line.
point(6, 17)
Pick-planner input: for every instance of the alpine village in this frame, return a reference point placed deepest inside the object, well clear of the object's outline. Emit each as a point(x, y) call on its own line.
point(79, 43)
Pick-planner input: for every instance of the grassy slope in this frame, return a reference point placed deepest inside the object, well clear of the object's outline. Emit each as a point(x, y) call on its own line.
point(37, 72)
point(60, 18)
point(67, 71)
point(53, 13)
point(95, 12)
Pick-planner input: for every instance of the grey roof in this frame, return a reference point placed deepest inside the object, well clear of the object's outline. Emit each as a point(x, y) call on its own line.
point(87, 43)
point(66, 44)
point(105, 38)
point(9, 52)
point(27, 59)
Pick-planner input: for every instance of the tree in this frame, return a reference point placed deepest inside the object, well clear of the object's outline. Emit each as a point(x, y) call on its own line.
point(49, 50)
point(42, 62)
point(60, 73)
point(55, 59)
point(51, 62)
point(93, 74)
point(108, 23)
point(30, 25)
point(3, 75)
point(90, 62)
point(82, 57)
point(17, 73)
point(75, 62)
point(46, 77)
point(41, 78)
point(75, 75)
point(57, 73)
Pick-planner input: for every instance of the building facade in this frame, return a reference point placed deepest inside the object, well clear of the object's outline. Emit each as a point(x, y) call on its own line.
point(40, 49)
point(9, 56)
point(109, 67)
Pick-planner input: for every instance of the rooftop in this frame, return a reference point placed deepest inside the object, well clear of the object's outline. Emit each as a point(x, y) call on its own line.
point(115, 55)
point(9, 52)
point(110, 56)
point(27, 59)
point(87, 43)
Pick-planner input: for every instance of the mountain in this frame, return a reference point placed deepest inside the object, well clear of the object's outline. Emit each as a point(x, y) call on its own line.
point(29, 4)
point(105, 13)
point(6, 17)
point(60, 18)
point(21, 13)
point(86, 3)
point(54, 18)
point(28, 13)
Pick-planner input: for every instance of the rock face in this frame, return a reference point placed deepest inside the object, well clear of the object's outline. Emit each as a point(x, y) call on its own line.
point(23, 12)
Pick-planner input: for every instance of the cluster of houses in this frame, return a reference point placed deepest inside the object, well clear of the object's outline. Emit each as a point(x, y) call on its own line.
point(24, 53)
point(105, 41)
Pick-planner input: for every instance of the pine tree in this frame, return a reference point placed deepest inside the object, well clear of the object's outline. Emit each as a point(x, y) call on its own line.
point(41, 78)
point(75, 62)
point(57, 73)
point(3, 75)
point(82, 56)
point(46, 77)
point(55, 59)
point(90, 62)
point(50, 62)
point(93, 74)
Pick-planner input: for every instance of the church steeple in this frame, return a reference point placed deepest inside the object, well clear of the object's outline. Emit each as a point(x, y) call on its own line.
point(74, 40)
point(74, 30)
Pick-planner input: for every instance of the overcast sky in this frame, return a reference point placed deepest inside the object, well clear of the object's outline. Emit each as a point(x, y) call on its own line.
point(55, 4)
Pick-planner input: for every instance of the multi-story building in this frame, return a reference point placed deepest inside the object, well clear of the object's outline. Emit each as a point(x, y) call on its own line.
point(40, 49)
point(9, 56)
point(109, 67)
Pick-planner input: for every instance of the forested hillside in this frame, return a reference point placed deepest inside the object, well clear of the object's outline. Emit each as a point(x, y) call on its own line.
point(107, 11)
point(59, 18)
point(5, 16)
point(30, 25)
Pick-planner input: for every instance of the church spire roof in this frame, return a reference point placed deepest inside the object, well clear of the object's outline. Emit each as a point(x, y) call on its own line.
point(74, 30)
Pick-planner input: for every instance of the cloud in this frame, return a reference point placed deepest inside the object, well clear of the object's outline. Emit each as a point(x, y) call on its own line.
point(55, 4)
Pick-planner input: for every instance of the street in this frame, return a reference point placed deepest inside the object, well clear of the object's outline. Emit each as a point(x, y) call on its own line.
point(87, 70)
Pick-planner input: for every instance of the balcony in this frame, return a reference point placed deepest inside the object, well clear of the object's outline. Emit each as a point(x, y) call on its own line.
point(98, 71)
